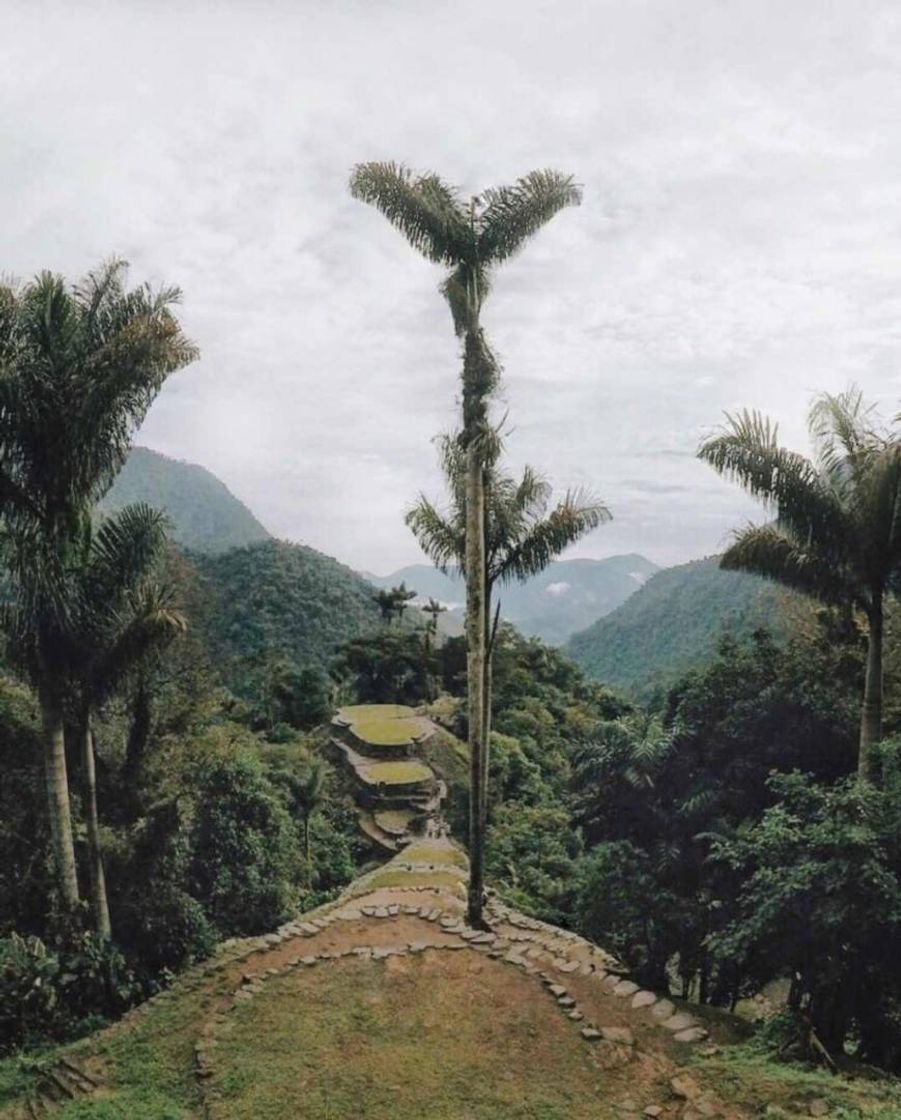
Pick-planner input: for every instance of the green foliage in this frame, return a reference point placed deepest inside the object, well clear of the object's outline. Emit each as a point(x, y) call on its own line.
point(56, 992)
point(244, 851)
point(203, 515)
point(821, 901)
point(275, 599)
point(390, 666)
point(619, 902)
point(25, 868)
point(673, 624)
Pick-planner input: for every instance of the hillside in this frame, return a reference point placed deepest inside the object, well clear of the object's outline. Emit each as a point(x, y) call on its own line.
point(673, 623)
point(279, 599)
point(205, 515)
point(554, 604)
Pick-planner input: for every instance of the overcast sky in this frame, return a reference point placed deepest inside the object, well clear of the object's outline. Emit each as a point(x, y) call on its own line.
point(739, 242)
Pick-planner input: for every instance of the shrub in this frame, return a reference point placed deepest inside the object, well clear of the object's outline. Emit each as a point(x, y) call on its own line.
point(59, 992)
point(245, 855)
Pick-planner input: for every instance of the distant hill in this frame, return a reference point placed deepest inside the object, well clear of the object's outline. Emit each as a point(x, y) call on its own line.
point(205, 515)
point(553, 605)
point(276, 598)
point(674, 622)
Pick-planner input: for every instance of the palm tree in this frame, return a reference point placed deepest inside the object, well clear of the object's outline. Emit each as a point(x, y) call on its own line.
point(433, 609)
point(837, 529)
point(521, 536)
point(121, 615)
point(79, 367)
point(309, 793)
point(401, 597)
point(469, 239)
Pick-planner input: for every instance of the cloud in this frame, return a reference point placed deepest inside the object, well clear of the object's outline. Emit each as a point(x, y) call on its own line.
point(738, 242)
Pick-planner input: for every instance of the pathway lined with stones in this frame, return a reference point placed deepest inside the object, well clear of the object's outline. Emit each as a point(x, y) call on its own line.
point(618, 1021)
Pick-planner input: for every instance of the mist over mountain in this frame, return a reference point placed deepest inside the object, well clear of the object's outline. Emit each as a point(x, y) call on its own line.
point(564, 598)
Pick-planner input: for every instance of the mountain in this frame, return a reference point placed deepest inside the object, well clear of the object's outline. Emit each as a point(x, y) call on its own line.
point(674, 622)
point(552, 605)
point(205, 515)
point(276, 598)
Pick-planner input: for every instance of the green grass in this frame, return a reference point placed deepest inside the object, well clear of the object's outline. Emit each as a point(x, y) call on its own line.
point(149, 1068)
point(432, 853)
point(440, 1036)
point(748, 1075)
point(378, 731)
point(355, 712)
point(395, 773)
point(393, 820)
point(389, 878)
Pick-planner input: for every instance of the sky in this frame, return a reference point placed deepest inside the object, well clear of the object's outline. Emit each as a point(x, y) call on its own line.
point(738, 243)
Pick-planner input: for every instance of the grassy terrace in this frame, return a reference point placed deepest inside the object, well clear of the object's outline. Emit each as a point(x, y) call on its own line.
point(443, 1036)
point(425, 852)
point(395, 773)
point(381, 725)
point(393, 820)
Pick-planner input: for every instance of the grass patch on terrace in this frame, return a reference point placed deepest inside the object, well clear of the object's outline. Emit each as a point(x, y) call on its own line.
point(376, 731)
point(393, 820)
point(443, 1036)
point(390, 877)
point(354, 712)
point(395, 773)
point(433, 853)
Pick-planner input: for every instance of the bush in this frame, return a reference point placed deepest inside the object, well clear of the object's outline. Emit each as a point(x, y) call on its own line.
point(821, 902)
point(59, 992)
point(245, 855)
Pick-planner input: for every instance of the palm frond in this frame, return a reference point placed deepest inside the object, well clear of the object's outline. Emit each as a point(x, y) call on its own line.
point(577, 514)
point(423, 208)
point(748, 452)
point(126, 547)
point(512, 214)
point(441, 538)
point(765, 551)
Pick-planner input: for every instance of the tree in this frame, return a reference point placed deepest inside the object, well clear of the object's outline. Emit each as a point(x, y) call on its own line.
point(79, 367)
point(469, 239)
point(837, 529)
point(121, 614)
point(433, 609)
point(309, 793)
point(521, 536)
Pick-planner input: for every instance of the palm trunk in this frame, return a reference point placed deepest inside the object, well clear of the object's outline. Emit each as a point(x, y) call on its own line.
point(871, 711)
point(475, 640)
point(57, 782)
point(99, 903)
point(307, 849)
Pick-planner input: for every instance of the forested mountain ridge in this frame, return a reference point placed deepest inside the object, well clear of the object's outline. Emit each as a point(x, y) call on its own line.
point(278, 598)
point(674, 622)
point(204, 514)
point(552, 605)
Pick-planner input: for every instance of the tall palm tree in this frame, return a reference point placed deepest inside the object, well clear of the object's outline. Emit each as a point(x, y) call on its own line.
point(522, 536)
point(122, 613)
point(469, 238)
point(836, 535)
point(79, 367)
point(433, 609)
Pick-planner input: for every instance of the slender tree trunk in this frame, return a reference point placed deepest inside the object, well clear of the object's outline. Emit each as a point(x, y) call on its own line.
point(307, 848)
point(475, 641)
point(99, 903)
point(57, 782)
point(871, 711)
point(138, 734)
